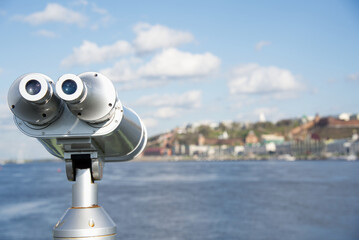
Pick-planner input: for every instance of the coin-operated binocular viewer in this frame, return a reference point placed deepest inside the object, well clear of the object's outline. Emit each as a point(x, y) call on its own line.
point(81, 120)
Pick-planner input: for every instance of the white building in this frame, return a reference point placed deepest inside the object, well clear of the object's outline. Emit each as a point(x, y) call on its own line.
point(344, 116)
point(262, 117)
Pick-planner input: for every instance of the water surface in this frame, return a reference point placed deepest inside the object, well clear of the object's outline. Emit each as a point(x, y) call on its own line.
point(193, 200)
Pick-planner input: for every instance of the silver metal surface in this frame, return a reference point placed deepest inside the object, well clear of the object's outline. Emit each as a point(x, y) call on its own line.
point(121, 138)
point(85, 223)
point(94, 99)
point(97, 166)
point(84, 191)
point(70, 171)
point(39, 109)
point(85, 219)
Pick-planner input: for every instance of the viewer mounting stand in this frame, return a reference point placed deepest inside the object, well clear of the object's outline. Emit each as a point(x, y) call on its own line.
point(81, 120)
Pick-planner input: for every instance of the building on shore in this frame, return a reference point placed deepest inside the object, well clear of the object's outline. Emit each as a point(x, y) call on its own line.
point(251, 138)
point(157, 151)
point(325, 128)
point(315, 137)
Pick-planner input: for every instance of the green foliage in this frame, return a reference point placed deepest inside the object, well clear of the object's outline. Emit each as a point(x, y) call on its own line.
point(187, 138)
point(204, 130)
point(239, 131)
point(222, 127)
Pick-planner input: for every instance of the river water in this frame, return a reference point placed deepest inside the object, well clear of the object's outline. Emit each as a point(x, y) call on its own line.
point(193, 200)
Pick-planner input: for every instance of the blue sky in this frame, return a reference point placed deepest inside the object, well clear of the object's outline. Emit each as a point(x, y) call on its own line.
point(176, 62)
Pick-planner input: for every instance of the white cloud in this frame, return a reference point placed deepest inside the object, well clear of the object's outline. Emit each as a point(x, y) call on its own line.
point(89, 53)
point(261, 44)
point(80, 2)
point(189, 100)
point(45, 33)
point(171, 105)
point(122, 71)
point(167, 112)
point(172, 63)
point(354, 76)
point(150, 122)
point(99, 10)
point(54, 13)
point(252, 78)
point(152, 37)
point(169, 64)
point(139, 84)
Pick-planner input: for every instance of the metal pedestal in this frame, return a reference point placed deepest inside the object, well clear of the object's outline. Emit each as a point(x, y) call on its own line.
point(85, 219)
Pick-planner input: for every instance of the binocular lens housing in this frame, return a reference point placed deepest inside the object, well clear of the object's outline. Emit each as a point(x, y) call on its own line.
point(33, 87)
point(90, 96)
point(32, 99)
point(69, 87)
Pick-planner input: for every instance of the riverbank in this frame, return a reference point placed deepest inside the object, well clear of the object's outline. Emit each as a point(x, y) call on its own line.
point(196, 158)
point(233, 158)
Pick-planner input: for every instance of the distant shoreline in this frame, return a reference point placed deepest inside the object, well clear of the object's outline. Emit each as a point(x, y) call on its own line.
point(256, 158)
point(192, 159)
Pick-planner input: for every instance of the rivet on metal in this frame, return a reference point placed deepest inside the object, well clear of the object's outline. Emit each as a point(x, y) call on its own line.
point(91, 222)
point(58, 224)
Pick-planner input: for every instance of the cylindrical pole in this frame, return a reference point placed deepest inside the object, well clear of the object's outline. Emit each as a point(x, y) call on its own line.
point(85, 220)
point(84, 191)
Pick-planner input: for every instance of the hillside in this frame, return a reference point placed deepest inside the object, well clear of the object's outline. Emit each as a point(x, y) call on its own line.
point(236, 133)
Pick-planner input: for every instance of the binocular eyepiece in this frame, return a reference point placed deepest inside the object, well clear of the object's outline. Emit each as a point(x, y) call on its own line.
point(35, 99)
point(88, 98)
point(78, 109)
point(32, 99)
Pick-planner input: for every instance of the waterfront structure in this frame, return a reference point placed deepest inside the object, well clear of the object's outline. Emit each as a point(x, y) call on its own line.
point(272, 138)
point(251, 138)
point(325, 128)
point(318, 137)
